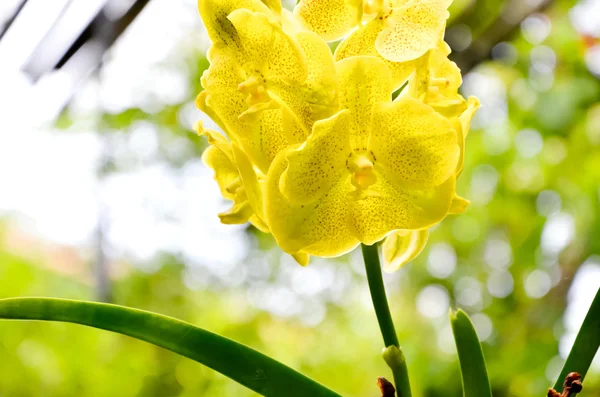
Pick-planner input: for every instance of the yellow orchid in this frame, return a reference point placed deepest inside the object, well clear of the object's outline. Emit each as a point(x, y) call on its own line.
point(436, 83)
point(318, 153)
point(408, 28)
point(437, 80)
point(269, 88)
point(236, 178)
point(362, 42)
point(398, 31)
point(374, 167)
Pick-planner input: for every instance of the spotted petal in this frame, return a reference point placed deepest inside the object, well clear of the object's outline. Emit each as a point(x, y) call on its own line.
point(414, 29)
point(321, 85)
point(393, 206)
point(261, 136)
point(319, 228)
point(331, 19)
point(214, 15)
point(415, 145)
point(363, 82)
point(316, 98)
point(318, 164)
point(362, 42)
point(271, 52)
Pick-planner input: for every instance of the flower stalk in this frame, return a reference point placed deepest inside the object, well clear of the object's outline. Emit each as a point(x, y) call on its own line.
point(392, 353)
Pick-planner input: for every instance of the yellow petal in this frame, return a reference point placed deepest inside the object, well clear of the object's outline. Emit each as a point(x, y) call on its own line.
point(362, 42)
point(259, 223)
point(214, 15)
point(320, 228)
point(464, 127)
point(401, 247)
point(302, 258)
point(465, 118)
point(448, 107)
point(416, 146)
point(321, 86)
point(227, 177)
point(223, 75)
point(363, 82)
point(271, 52)
point(399, 3)
point(437, 80)
point(419, 82)
point(414, 29)
point(262, 137)
point(250, 181)
point(226, 172)
point(292, 123)
point(447, 71)
point(291, 25)
point(264, 128)
point(391, 206)
point(219, 157)
point(330, 19)
point(315, 167)
point(215, 139)
point(274, 5)
point(236, 178)
point(268, 136)
point(459, 205)
point(316, 98)
point(239, 213)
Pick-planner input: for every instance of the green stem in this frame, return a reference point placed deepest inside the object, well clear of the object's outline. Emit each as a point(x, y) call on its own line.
point(392, 354)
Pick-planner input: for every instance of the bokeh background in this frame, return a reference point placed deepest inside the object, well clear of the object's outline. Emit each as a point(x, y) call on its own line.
point(103, 196)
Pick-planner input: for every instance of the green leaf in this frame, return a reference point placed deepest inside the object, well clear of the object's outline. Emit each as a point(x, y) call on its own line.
point(472, 364)
point(585, 347)
point(252, 369)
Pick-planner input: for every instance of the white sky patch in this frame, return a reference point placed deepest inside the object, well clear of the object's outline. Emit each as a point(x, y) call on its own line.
point(558, 232)
point(50, 186)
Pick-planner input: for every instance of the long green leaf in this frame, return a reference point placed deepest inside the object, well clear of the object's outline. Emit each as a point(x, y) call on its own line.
point(585, 347)
point(472, 364)
point(252, 369)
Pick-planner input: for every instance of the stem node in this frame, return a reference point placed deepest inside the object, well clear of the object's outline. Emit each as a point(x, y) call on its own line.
point(392, 354)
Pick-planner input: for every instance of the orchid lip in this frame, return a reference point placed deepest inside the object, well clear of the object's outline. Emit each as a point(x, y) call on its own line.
point(360, 163)
point(255, 87)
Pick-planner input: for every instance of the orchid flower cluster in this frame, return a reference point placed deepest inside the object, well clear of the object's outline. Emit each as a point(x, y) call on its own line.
point(315, 150)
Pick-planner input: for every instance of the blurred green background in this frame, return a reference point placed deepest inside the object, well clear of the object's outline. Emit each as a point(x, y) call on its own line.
point(103, 197)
